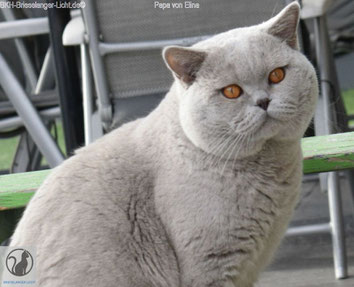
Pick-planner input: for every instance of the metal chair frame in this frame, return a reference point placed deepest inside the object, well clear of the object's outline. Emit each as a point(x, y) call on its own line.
point(27, 113)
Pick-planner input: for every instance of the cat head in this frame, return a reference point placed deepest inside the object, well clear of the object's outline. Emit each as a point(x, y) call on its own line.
point(245, 86)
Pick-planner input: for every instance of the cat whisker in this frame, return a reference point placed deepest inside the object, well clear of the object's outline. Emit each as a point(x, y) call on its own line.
point(216, 156)
point(221, 137)
point(238, 151)
point(220, 148)
point(239, 139)
point(214, 146)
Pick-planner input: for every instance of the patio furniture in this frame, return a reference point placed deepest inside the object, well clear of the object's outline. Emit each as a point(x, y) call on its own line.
point(23, 105)
point(124, 49)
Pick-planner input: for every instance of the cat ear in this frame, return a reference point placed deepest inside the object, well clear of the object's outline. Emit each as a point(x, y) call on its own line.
point(284, 25)
point(184, 62)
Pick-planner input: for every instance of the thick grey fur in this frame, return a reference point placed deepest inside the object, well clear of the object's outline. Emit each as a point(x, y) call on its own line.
point(198, 193)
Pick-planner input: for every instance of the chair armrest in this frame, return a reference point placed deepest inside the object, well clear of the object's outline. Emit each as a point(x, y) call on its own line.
point(315, 8)
point(74, 32)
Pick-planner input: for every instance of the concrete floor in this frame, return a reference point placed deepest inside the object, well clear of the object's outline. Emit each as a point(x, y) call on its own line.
point(307, 260)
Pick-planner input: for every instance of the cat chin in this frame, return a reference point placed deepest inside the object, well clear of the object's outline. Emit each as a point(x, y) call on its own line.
point(283, 129)
point(247, 151)
point(266, 129)
point(288, 135)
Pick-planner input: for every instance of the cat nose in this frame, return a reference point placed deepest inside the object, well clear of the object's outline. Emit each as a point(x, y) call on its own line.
point(263, 103)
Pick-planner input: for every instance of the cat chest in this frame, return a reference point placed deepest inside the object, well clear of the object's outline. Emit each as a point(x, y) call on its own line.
point(205, 203)
point(244, 189)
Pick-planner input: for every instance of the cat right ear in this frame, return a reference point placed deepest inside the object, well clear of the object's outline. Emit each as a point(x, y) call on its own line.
point(284, 25)
point(184, 62)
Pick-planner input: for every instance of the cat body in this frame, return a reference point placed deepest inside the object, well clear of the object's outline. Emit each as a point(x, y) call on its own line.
point(183, 221)
point(198, 193)
point(225, 224)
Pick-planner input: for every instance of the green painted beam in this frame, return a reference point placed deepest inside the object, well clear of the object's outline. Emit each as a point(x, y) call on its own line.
point(328, 153)
point(321, 154)
point(18, 188)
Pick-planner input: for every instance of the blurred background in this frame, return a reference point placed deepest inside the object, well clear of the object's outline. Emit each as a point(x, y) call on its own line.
point(71, 71)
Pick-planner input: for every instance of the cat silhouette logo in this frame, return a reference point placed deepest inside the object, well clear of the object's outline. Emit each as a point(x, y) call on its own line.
point(19, 262)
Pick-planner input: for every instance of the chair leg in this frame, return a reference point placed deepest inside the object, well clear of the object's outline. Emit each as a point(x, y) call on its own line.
point(337, 226)
point(330, 93)
point(350, 176)
point(29, 115)
point(27, 156)
point(321, 128)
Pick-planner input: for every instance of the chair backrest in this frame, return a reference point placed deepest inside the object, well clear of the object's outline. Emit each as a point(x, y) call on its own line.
point(125, 28)
point(136, 73)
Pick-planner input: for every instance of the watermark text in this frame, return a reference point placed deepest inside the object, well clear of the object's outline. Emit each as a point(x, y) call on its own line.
point(40, 5)
point(176, 5)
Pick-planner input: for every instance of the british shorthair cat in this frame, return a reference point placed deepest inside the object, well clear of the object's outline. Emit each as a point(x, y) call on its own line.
point(198, 193)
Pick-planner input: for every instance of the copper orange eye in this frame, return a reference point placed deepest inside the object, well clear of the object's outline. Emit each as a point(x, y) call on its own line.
point(232, 91)
point(277, 75)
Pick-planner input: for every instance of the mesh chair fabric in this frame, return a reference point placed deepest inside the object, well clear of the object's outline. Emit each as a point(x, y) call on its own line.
point(143, 72)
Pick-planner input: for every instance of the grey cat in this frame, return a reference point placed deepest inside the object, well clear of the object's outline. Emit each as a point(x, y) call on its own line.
point(198, 193)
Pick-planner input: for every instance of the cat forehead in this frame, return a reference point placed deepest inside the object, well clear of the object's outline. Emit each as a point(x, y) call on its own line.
point(248, 44)
point(244, 44)
point(256, 50)
point(244, 34)
point(251, 54)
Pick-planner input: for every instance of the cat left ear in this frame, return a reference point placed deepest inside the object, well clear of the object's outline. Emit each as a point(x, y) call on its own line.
point(284, 25)
point(184, 62)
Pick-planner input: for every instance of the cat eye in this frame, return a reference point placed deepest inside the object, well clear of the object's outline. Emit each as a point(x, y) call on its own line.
point(276, 76)
point(232, 91)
